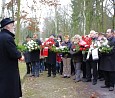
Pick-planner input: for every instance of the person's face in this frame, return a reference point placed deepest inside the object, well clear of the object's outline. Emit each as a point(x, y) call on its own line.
point(11, 27)
point(76, 40)
point(92, 35)
point(35, 36)
point(108, 33)
point(28, 39)
point(66, 39)
point(59, 39)
point(96, 35)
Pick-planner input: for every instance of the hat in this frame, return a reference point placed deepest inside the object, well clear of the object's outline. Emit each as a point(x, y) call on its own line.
point(5, 22)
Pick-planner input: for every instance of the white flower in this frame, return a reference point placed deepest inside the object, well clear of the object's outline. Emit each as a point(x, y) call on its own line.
point(73, 49)
point(108, 46)
point(57, 48)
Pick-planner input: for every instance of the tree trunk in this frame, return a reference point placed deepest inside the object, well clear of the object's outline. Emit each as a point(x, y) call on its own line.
point(18, 23)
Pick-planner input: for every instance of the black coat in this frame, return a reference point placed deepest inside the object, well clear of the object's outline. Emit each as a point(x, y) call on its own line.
point(107, 61)
point(35, 54)
point(10, 86)
point(51, 59)
point(27, 56)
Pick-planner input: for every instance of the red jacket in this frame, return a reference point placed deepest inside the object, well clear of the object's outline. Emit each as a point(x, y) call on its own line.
point(58, 58)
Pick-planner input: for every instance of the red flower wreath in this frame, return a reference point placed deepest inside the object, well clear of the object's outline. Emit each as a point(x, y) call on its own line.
point(85, 43)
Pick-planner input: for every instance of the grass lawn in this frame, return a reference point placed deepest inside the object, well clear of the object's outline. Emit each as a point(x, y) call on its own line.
point(22, 69)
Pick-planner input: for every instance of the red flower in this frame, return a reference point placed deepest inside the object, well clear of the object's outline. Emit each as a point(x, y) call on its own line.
point(50, 42)
point(81, 49)
point(85, 43)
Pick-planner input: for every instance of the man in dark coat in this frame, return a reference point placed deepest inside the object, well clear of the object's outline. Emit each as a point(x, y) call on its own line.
point(107, 63)
point(10, 86)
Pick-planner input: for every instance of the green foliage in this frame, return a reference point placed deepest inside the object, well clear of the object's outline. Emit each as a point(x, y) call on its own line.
point(105, 49)
point(90, 13)
point(60, 49)
point(21, 48)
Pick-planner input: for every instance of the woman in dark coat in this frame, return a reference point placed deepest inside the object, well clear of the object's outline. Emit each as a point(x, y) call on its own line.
point(10, 86)
point(51, 59)
point(77, 58)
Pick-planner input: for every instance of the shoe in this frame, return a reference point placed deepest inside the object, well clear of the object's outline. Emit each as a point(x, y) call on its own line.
point(36, 76)
point(88, 80)
point(101, 79)
point(32, 75)
point(73, 78)
point(54, 76)
point(64, 77)
point(83, 79)
point(68, 76)
point(49, 76)
point(94, 82)
point(111, 88)
point(77, 81)
point(104, 86)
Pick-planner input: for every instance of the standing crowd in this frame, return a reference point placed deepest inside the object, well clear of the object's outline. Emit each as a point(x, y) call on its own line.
point(86, 66)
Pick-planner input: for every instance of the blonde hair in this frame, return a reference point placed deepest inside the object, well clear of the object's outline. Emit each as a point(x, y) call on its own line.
point(77, 36)
point(92, 32)
point(66, 37)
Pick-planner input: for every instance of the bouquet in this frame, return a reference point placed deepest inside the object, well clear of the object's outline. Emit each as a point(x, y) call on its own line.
point(84, 46)
point(21, 48)
point(75, 48)
point(105, 49)
point(49, 43)
point(32, 45)
point(63, 49)
point(54, 48)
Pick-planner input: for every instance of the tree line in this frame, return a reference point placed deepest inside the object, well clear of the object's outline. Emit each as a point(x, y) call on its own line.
point(80, 16)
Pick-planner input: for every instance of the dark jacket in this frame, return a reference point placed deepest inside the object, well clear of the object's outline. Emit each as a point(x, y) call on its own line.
point(35, 54)
point(51, 59)
point(107, 61)
point(27, 56)
point(10, 86)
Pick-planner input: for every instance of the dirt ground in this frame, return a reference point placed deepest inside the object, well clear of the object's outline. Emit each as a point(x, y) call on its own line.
point(58, 87)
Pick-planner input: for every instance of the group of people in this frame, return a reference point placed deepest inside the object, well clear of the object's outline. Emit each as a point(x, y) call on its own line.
point(83, 65)
point(87, 66)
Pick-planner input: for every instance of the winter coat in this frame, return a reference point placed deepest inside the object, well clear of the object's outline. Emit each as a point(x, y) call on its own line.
point(51, 59)
point(10, 86)
point(107, 61)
